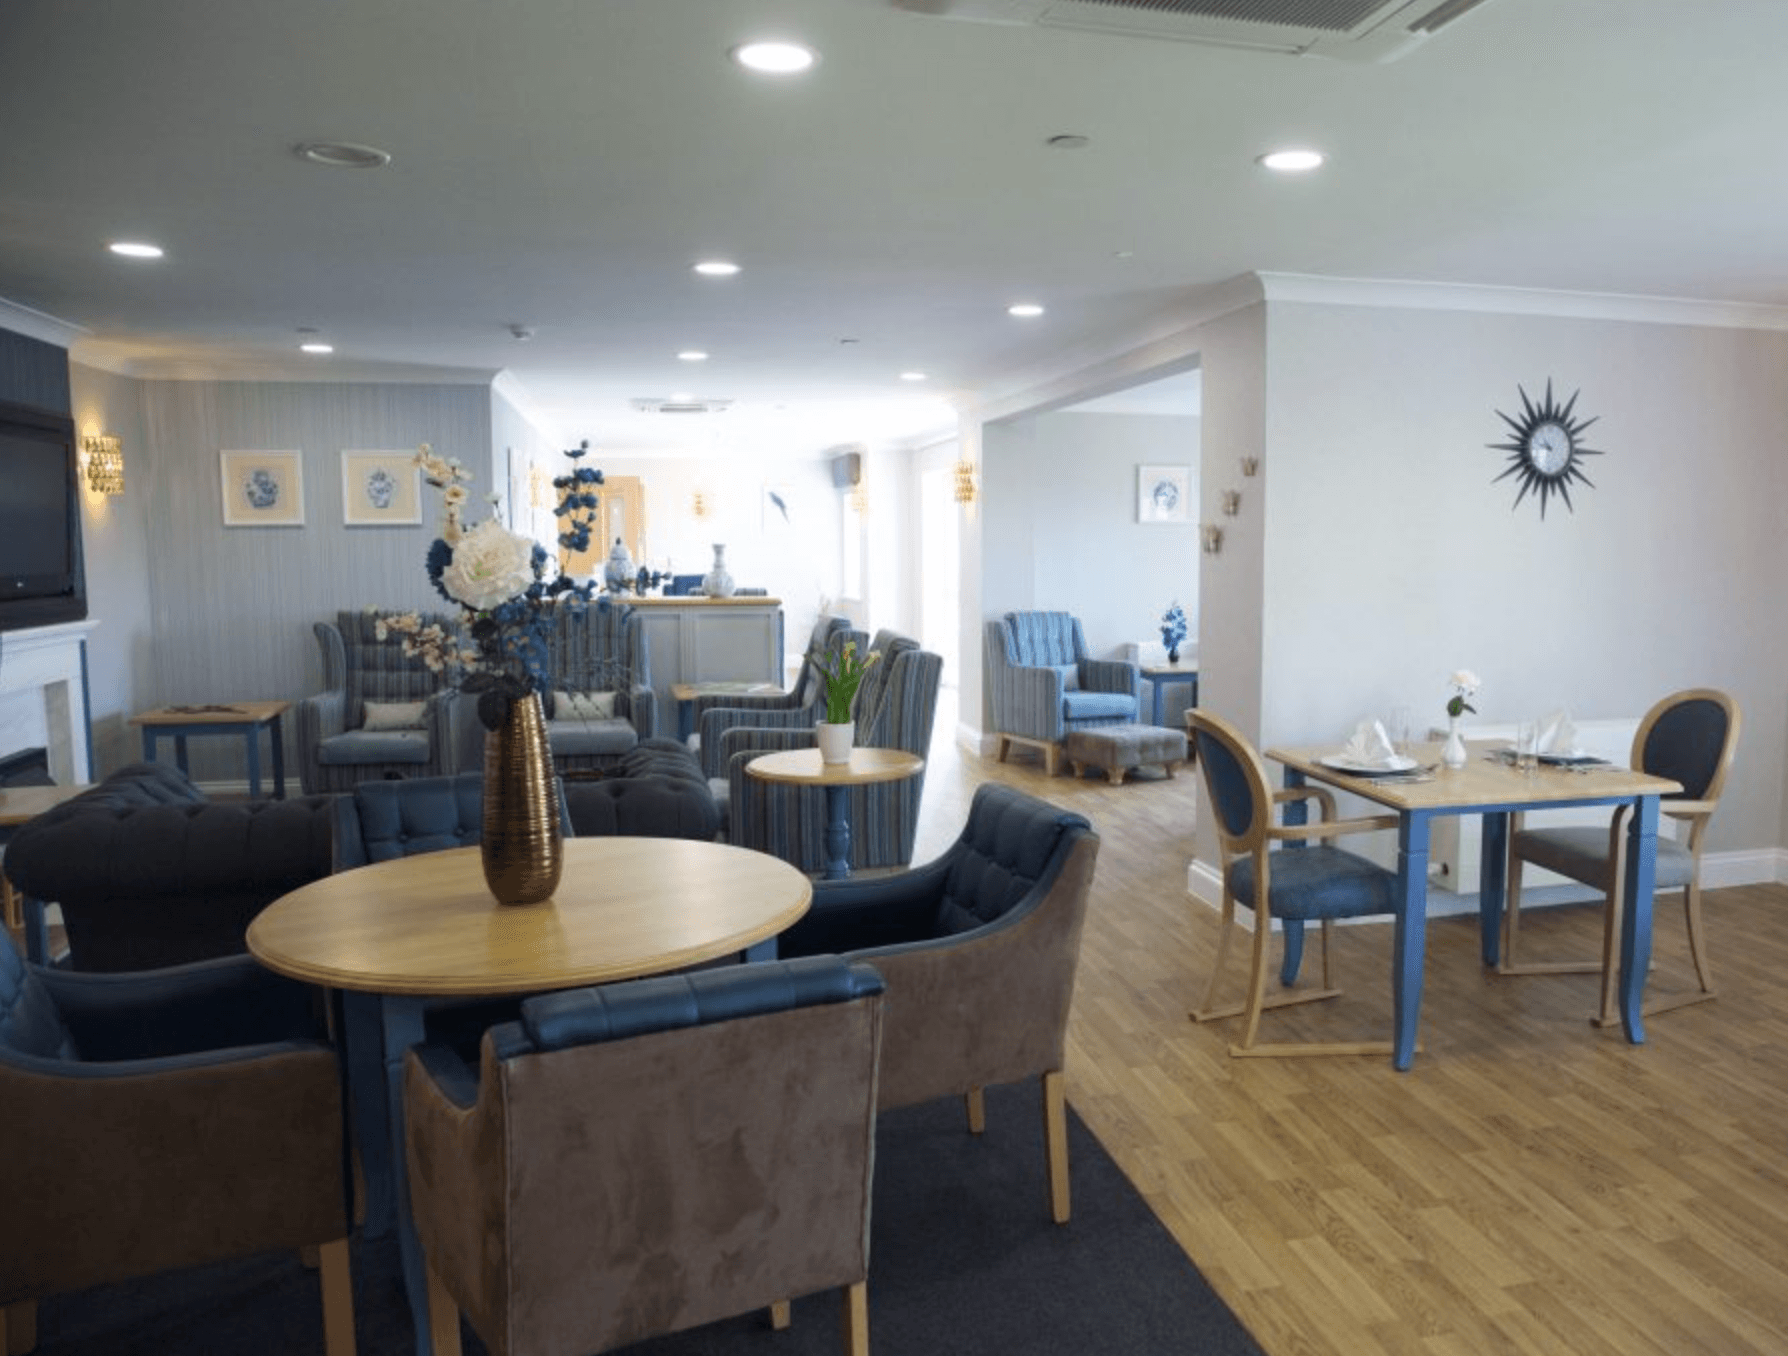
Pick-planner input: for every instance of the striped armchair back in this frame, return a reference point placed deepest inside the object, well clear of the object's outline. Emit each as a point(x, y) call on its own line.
point(1043, 639)
point(597, 647)
point(378, 670)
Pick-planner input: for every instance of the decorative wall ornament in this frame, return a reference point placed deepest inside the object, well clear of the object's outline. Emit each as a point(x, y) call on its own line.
point(1250, 466)
point(380, 489)
point(1232, 503)
point(1546, 448)
point(1213, 538)
point(103, 457)
point(1163, 494)
point(965, 481)
point(262, 489)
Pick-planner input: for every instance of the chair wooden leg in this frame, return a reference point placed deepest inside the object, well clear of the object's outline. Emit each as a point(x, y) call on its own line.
point(1511, 916)
point(1257, 978)
point(1205, 1011)
point(1691, 907)
point(18, 1328)
point(1055, 1142)
point(974, 1102)
point(1004, 749)
point(443, 1317)
point(338, 1298)
point(781, 1314)
point(1613, 910)
point(856, 1319)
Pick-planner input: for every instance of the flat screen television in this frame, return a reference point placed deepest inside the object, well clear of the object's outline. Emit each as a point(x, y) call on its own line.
point(41, 576)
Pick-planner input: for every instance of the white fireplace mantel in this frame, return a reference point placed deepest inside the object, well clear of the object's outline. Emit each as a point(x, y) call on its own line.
point(43, 697)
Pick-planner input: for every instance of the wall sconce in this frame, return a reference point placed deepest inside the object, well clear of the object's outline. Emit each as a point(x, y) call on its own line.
point(1213, 538)
point(965, 482)
point(700, 505)
point(1232, 503)
point(860, 500)
point(104, 455)
point(1250, 465)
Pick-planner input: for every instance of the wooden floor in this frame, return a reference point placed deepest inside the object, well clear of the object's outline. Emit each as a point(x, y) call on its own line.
point(1532, 1185)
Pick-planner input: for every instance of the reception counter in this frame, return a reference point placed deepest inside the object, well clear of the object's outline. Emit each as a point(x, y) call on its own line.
point(701, 640)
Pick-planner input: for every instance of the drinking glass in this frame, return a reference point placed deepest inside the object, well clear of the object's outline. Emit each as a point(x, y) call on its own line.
point(1398, 729)
point(1527, 745)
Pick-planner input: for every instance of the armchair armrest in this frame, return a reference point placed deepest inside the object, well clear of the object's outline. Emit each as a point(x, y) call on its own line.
point(642, 710)
point(1330, 828)
point(720, 721)
point(323, 715)
point(742, 701)
point(1111, 675)
point(756, 739)
point(1324, 798)
point(851, 915)
point(1035, 703)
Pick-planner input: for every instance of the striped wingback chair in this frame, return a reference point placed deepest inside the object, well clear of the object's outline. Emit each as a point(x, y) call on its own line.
point(799, 707)
point(381, 714)
point(598, 698)
point(895, 709)
point(1042, 683)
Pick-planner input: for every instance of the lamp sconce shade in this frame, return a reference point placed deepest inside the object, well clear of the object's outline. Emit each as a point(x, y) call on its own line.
point(1232, 503)
point(860, 500)
point(1250, 466)
point(700, 505)
point(1213, 539)
point(965, 482)
point(104, 456)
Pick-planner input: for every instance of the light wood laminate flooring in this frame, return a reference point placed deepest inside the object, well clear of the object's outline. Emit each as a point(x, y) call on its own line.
point(1532, 1186)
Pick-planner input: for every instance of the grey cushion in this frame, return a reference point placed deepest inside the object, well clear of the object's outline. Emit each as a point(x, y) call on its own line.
point(374, 746)
point(586, 737)
point(1099, 705)
point(1581, 853)
point(1319, 882)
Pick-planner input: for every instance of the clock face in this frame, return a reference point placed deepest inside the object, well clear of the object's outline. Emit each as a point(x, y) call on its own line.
point(1546, 451)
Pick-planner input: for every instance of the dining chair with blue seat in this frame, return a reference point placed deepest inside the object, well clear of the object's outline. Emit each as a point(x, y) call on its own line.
point(1306, 880)
point(1689, 737)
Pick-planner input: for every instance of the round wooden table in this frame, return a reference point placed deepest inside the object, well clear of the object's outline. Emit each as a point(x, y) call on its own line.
point(803, 767)
point(399, 935)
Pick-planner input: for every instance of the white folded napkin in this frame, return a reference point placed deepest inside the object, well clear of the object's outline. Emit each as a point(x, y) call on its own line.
point(1369, 745)
point(1557, 734)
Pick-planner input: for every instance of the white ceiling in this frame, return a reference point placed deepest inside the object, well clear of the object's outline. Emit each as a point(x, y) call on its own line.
point(560, 164)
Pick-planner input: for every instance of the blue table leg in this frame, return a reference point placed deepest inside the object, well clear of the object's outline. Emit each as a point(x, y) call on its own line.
point(401, 1017)
point(1412, 931)
point(1493, 877)
point(148, 743)
point(254, 761)
point(365, 1041)
point(1635, 923)
point(37, 931)
point(180, 754)
point(279, 760)
point(1296, 812)
point(838, 832)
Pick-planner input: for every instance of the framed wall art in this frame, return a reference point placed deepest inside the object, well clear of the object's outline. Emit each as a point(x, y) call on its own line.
point(262, 489)
point(380, 489)
point(1163, 494)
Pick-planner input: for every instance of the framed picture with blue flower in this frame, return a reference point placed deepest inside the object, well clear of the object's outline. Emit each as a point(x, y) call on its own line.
point(381, 489)
point(1163, 494)
point(262, 489)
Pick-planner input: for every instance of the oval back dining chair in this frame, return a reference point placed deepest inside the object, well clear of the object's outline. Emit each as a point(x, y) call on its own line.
point(1689, 737)
point(1308, 881)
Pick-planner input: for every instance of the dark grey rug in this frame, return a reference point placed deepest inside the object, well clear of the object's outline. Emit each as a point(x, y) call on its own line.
point(964, 1258)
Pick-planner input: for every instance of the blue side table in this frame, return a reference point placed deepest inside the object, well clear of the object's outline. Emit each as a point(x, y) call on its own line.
point(1163, 674)
point(242, 719)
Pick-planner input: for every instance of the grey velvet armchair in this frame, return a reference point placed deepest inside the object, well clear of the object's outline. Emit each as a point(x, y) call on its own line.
point(643, 1158)
point(896, 708)
point(380, 714)
point(979, 948)
point(1042, 683)
point(161, 1120)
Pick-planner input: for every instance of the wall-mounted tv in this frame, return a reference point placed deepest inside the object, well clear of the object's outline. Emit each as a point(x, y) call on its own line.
point(41, 577)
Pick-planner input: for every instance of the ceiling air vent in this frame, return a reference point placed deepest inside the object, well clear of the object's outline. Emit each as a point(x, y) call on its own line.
point(1352, 30)
point(679, 405)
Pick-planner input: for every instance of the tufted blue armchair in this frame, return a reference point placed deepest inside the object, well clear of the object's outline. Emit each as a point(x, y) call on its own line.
point(161, 1120)
point(381, 821)
point(1310, 881)
point(1042, 683)
point(979, 948)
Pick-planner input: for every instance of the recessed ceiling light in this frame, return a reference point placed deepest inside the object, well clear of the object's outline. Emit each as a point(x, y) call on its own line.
point(317, 348)
point(716, 268)
point(135, 249)
point(1025, 310)
point(693, 355)
point(774, 58)
point(912, 376)
point(342, 154)
point(1292, 162)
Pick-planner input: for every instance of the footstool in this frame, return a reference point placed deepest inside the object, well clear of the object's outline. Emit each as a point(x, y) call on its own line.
point(1115, 749)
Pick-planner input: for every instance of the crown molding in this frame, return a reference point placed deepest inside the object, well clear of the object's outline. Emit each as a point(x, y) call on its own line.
point(1389, 293)
point(36, 325)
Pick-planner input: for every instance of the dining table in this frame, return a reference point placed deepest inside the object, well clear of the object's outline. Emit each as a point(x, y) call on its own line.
point(401, 937)
point(1492, 785)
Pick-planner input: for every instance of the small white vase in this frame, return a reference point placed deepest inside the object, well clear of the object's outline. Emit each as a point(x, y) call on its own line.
point(1454, 754)
point(835, 741)
point(717, 583)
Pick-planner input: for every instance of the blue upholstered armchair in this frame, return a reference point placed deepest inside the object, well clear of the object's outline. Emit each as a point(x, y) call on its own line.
point(161, 1120)
point(380, 714)
point(979, 949)
point(895, 709)
point(797, 708)
point(1043, 684)
point(598, 697)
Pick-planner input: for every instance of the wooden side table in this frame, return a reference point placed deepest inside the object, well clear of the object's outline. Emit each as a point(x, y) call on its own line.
point(243, 719)
point(803, 767)
point(25, 915)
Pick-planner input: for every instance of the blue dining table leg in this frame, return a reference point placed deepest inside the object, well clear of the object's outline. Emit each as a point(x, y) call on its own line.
point(838, 832)
point(1635, 921)
point(1493, 884)
point(401, 1016)
point(1295, 812)
point(1411, 933)
point(365, 1032)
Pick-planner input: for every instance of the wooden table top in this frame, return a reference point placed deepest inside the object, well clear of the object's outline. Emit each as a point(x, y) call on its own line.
point(219, 713)
point(624, 907)
point(1185, 666)
point(1482, 781)
point(865, 766)
point(687, 692)
point(20, 803)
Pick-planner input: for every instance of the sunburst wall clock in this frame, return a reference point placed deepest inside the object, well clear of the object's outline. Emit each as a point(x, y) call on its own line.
point(1546, 449)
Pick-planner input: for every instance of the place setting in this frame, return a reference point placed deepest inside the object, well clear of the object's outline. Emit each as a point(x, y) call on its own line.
point(1550, 741)
point(1371, 751)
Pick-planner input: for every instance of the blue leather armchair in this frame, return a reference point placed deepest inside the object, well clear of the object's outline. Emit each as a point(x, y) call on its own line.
point(161, 1120)
point(1042, 683)
point(642, 1158)
point(979, 949)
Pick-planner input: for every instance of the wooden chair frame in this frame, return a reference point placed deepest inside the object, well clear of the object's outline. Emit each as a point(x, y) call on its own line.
point(1256, 841)
point(1695, 814)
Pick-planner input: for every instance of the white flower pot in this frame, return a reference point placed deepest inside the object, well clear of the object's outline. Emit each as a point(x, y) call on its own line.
point(1454, 754)
point(835, 741)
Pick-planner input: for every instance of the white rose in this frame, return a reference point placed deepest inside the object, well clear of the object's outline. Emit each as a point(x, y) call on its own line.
point(490, 565)
point(1466, 679)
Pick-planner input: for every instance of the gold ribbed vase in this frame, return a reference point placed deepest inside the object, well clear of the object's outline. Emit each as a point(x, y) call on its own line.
point(523, 850)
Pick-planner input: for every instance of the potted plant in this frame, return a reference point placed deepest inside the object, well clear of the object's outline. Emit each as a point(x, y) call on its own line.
point(1173, 630)
point(841, 674)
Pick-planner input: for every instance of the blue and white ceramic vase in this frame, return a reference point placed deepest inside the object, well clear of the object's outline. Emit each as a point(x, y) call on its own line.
point(717, 582)
point(617, 571)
